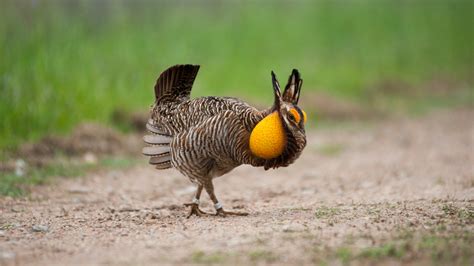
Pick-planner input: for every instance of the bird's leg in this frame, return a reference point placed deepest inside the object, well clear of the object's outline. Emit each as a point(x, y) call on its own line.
point(195, 204)
point(219, 209)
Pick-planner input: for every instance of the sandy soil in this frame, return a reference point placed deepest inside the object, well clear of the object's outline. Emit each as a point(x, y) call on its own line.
point(401, 191)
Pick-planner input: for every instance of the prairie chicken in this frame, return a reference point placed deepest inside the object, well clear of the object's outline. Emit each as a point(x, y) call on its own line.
point(207, 137)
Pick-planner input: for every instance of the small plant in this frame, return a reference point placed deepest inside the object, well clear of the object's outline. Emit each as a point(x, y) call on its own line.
point(344, 254)
point(449, 209)
point(202, 257)
point(326, 212)
point(466, 214)
point(386, 250)
point(262, 255)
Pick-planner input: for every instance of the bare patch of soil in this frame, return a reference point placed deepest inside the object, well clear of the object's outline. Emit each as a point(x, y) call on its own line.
point(401, 191)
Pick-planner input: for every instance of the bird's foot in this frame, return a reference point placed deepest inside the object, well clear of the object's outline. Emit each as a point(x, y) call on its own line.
point(221, 212)
point(195, 210)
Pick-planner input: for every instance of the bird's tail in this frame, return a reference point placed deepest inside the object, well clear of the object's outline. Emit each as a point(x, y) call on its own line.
point(175, 83)
point(158, 147)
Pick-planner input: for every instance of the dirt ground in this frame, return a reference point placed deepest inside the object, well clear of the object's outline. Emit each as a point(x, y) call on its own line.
point(399, 191)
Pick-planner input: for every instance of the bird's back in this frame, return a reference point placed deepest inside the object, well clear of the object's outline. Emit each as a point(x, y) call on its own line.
point(176, 117)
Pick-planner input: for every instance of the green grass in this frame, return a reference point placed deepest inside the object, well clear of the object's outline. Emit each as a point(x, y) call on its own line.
point(262, 255)
point(13, 185)
point(454, 248)
point(387, 250)
point(344, 254)
point(16, 186)
point(63, 62)
point(220, 257)
point(200, 257)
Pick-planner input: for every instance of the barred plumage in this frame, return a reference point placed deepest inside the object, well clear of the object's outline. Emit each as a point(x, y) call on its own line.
point(207, 137)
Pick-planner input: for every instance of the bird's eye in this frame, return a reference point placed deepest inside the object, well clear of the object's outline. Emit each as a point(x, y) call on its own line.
point(291, 116)
point(294, 115)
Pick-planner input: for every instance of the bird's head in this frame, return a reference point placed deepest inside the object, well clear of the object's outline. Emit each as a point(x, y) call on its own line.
point(280, 137)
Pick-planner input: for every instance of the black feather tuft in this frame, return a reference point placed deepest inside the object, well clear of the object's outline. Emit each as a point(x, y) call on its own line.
point(293, 87)
point(276, 91)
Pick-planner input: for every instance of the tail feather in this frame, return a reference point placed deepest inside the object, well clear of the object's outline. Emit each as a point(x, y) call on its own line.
point(159, 148)
point(157, 139)
point(176, 82)
point(164, 165)
point(160, 159)
point(156, 150)
point(153, 129)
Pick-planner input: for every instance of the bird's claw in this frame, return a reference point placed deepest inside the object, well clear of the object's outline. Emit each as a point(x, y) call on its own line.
point(221, 212)
point(195, 210)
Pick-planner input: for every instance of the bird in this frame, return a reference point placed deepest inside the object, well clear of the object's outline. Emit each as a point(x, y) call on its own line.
point(207, 137)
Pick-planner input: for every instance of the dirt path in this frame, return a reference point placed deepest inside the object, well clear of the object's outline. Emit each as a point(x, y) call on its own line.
point(399, 191)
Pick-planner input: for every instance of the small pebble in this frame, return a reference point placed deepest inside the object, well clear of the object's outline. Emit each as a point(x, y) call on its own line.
point(165, 213)
point(20, 166)
point(293, 227)
point(6, 255)
point(150, 244)
point(90, 158)
point(78, 190)
point(40, 228)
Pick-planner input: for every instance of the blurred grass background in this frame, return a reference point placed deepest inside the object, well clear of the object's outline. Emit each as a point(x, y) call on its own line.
point(64, 62)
